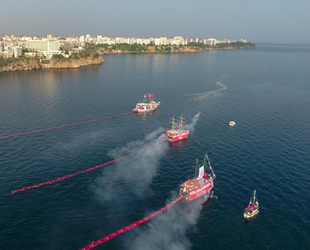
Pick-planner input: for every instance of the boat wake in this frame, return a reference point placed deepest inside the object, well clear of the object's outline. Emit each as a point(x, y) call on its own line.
point(201, 96)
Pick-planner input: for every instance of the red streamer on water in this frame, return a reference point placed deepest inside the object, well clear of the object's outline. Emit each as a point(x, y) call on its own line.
point(63, 126)
point(129, 227)
point(86, 170)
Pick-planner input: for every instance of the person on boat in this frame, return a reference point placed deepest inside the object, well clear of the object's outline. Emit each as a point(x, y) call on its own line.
point(205, 175)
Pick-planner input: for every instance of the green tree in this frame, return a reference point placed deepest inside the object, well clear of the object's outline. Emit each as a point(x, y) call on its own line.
point(59, 56)
point(168, 49)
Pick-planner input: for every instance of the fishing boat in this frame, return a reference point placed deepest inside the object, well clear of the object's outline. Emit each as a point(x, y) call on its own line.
point(252, 209)
point(146, 106)
point(232, 123)
point(177, 133)
point(201, 184)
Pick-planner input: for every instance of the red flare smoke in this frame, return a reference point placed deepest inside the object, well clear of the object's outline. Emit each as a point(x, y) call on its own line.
point(131, 226)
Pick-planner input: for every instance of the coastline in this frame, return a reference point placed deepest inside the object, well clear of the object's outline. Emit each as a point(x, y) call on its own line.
point(26, 64)
point(163, 49)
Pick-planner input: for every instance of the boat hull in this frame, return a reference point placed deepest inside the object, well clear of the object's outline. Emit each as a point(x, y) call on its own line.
point(250, 215)
point(146, 108)
point(178, 136)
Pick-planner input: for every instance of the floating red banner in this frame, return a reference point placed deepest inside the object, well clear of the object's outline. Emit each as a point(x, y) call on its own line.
point(63, 126)
point(129, 227)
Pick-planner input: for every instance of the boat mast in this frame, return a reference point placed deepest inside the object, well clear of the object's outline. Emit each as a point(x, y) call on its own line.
point(173, 122)
point(181, 122)
point(206, 160)
point(197, 168)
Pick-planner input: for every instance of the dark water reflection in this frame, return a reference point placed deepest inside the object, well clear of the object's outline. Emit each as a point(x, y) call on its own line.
point(267, 94)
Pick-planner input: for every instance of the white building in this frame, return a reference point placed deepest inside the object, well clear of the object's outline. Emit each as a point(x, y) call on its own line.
point(82, 39)
point(17, 52)
point(157, 41)
point(47, 47)
point(43, 45)
point(209, 41)
point(163, 40)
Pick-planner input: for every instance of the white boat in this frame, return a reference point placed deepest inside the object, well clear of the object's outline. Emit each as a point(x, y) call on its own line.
point(146, 106)
point(232, 123)
point(252, 209)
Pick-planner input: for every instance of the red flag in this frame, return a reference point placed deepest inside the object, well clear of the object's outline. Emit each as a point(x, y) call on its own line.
point(150, 97)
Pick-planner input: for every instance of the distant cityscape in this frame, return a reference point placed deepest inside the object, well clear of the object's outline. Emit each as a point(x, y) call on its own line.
point(13, 46)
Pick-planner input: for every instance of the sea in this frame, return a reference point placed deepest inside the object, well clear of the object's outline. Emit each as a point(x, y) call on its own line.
point(266, 91)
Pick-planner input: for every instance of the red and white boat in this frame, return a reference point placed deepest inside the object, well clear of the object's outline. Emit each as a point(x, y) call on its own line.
point(177, 133)
point(146, 106)
point(252, 209)
point(201, 184)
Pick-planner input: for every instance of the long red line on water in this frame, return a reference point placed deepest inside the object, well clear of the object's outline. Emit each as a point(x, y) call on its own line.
point(63, 126)
point(86, 170)
point(129, 227)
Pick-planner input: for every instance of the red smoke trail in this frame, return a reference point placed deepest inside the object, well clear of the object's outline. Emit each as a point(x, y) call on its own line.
point(131, 226)
point(86, 170)
point(63, 126)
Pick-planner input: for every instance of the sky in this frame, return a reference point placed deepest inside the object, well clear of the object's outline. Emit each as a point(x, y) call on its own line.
point(259, 21)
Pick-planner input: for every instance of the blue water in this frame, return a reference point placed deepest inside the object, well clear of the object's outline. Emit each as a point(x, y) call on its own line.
point(265, 91)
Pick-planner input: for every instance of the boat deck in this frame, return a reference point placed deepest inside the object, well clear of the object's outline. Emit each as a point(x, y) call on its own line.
point(177, 131)
point(193, 184)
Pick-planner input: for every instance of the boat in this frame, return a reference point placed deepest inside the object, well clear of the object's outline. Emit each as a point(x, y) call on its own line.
point(146, 106)
point(177, 133)
point(232, 123)
point(201, 184)
point(252, 209)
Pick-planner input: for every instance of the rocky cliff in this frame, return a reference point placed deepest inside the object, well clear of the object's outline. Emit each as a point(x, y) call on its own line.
point(22, 65)
point(72, 63)
point(54, 63)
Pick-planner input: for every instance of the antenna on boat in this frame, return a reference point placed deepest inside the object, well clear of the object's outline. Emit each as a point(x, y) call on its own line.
point(254, 195)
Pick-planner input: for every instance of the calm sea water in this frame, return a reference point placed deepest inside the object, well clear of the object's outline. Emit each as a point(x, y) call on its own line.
point(265, 91)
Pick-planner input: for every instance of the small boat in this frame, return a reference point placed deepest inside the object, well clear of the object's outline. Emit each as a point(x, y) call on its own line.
point(177, 133)
point(201, 184)
point(232, 123)
point(146, 106)
point(252, 209)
